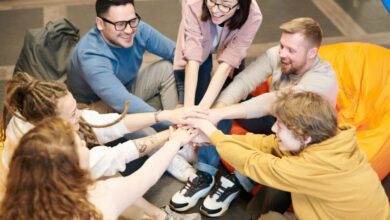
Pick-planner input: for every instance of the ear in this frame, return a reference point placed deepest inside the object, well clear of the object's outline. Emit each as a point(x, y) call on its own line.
point(99, 24)
point(312, 53)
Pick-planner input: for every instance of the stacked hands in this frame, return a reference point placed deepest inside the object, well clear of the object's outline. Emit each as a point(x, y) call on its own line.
point(193, 125)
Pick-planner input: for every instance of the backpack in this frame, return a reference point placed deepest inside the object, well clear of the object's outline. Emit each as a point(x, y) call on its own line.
point(46, 51)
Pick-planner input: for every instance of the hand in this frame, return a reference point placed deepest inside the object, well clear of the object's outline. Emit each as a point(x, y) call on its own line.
point(214, 116)
point(180, 115)
point(183, 135)
point(198, 123)
point(202, 124)
point(201, 140)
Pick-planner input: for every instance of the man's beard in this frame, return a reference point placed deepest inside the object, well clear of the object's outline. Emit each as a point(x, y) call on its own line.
point(289, 76)
point(291, 71)
point(284, 65)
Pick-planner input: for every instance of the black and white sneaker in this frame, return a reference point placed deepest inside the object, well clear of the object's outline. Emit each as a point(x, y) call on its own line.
point(224, 192)
point(198, 186)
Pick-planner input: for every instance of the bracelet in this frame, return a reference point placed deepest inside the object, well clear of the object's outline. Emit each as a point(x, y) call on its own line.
point(156, 116)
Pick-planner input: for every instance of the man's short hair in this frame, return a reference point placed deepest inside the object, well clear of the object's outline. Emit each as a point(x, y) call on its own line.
point(102, 6)
point(308, 27)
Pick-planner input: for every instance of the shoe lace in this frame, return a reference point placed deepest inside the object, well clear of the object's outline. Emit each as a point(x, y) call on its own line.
point(223, 192)
point(191, 186)
point(218, 190)
point(194, 185)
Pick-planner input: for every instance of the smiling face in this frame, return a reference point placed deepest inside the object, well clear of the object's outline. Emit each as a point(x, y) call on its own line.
point(294, 53)
point(221, 11)
point(125, 38)
point(67, 109)
point(286, 139)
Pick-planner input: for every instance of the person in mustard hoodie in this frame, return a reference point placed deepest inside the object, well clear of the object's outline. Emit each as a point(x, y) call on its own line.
point(310, 156)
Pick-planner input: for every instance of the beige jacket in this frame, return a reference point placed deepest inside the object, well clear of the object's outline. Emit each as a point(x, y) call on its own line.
point(195, 37)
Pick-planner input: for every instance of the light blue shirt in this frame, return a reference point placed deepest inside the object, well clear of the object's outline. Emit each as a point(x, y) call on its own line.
point(99, 71)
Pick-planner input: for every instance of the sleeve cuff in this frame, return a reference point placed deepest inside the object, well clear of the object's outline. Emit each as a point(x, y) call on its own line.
point(216, 137)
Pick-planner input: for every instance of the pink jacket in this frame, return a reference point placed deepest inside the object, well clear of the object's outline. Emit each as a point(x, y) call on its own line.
point(195, 37)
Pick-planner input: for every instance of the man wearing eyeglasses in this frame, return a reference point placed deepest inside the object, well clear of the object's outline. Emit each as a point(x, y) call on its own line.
point(104, 71)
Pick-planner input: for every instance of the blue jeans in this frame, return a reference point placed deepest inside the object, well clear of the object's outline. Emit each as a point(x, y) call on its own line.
point(204, 78)
point(208, 157)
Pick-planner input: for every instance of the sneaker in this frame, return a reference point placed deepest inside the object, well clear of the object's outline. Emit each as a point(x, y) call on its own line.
point(188, 153)
point(171, 215)
point(180, 168)
point(224, 192)
point(197, 186)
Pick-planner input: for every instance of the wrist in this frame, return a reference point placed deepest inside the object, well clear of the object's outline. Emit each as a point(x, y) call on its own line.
point(216, 115)
point(167, 115)
point(174, 142)
point(207, 128)
point(157, 116)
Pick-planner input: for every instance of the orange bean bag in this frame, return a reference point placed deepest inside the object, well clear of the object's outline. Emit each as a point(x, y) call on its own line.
point(363, 74)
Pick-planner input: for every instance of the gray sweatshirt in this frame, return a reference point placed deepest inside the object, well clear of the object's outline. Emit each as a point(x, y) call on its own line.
point(320, 79)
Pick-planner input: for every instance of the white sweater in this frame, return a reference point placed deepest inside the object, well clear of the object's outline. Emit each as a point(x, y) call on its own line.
point(104, 161)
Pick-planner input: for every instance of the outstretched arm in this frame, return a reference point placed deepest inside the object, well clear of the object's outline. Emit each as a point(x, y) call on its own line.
point(216, 84)
point(227, 112)
point(124, 191)
point(147, 144)
point(191, 80)
point(134, 122)
point(107, 161)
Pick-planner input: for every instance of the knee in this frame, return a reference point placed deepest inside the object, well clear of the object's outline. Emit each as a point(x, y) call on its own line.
point(166, 67)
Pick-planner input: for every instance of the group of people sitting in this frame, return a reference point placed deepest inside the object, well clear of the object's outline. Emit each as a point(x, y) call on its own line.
point(54, 164)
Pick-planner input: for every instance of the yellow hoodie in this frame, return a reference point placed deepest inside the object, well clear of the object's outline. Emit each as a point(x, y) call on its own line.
point(328, 180)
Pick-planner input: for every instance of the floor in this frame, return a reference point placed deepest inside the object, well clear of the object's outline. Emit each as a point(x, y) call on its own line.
point(342, 20)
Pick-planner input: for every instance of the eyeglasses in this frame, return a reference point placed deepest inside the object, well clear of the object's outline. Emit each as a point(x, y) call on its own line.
point(121, 25)
point(221, 7)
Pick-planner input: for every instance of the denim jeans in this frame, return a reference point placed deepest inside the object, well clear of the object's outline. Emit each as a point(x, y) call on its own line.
point(208, 157)
point(204, 78)
point(260, 125)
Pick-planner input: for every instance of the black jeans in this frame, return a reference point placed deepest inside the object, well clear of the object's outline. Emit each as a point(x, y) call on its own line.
point(268, 199)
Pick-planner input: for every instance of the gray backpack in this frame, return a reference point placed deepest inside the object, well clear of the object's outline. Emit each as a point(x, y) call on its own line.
point(46, 51)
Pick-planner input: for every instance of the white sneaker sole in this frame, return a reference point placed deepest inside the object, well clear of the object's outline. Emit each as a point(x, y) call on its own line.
point(199, 195)
point(223, 208)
